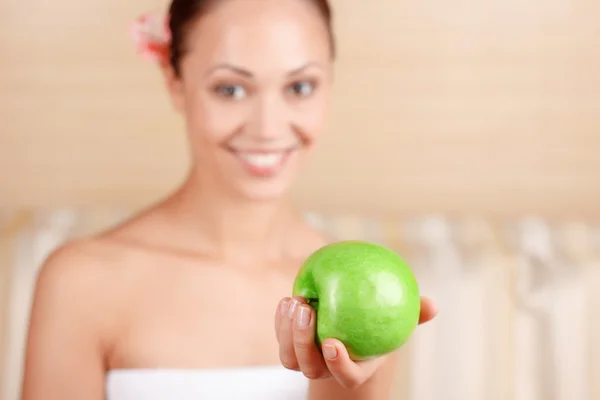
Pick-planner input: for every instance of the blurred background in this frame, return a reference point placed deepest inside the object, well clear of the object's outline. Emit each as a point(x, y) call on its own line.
point(465, 135)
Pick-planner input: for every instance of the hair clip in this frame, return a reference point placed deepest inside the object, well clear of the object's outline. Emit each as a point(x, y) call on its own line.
point(151, 36)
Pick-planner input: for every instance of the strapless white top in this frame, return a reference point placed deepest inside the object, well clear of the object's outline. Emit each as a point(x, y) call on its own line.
point(251, 383)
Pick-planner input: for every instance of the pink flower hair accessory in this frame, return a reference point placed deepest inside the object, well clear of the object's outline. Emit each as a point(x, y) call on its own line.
point(152, 37)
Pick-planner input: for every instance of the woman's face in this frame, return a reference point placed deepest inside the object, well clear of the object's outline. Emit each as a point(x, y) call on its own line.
point(254, 90)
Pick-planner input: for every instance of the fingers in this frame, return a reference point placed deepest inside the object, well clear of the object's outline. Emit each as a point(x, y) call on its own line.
point(280, 313)
point(295, 324)
point(308, 356)
point(287, 354)
point(428, 310)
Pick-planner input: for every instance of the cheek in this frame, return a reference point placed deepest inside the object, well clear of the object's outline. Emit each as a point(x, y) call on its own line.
point(212, 119)
point(311, 116)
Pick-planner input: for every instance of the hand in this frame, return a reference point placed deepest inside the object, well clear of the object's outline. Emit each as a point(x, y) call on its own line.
point(295, 329)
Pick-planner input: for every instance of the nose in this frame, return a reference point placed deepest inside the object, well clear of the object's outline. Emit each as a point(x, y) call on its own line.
point(269, 120)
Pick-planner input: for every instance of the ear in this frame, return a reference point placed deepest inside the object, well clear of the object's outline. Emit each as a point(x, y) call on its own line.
point(174, 85)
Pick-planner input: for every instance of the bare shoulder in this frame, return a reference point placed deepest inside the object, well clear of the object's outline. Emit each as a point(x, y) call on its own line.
point(76, 257)
point(90, 272)
point(77, 261)
point(79, 276)
point(98, 271)
point(72, 320)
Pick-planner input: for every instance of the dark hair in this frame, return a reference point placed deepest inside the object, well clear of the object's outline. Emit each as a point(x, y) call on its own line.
point(183, 14)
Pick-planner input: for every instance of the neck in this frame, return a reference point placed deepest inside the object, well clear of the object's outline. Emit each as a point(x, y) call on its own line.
point(233, 227)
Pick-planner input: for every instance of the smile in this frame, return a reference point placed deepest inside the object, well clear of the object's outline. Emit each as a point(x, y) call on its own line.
point(263, 163)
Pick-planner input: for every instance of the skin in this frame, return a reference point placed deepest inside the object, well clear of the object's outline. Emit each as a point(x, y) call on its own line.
point(143, 294)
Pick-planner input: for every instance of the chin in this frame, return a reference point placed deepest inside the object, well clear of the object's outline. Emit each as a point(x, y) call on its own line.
point(263, 191)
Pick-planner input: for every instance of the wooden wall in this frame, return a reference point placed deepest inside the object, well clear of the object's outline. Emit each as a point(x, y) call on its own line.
point(464, 106)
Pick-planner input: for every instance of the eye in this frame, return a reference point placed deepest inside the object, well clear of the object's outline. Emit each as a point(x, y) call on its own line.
point(302, 88)
point(235, 92)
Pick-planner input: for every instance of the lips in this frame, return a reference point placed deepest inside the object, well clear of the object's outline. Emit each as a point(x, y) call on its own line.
point(263, 163)
point(262, 160)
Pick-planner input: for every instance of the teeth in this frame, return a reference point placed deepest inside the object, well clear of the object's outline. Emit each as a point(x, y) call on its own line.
point(264, 160)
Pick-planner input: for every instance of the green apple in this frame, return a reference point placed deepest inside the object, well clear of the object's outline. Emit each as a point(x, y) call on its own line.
point(364, 295)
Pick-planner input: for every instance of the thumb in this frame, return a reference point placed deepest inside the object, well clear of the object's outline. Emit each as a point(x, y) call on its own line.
point(342, 368)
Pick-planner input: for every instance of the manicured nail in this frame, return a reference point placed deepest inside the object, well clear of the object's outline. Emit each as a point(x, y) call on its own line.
point(329, 352)
point(283, 307)
point(292, 309)
point(303, 319)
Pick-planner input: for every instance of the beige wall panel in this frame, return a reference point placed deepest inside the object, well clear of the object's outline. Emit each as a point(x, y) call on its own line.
point(486, 107)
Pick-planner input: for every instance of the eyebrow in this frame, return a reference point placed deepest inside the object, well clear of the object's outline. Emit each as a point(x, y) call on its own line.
point(249, 74)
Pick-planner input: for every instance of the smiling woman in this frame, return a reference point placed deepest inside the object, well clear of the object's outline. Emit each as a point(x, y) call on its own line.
point(255, 95)
point(252, 81)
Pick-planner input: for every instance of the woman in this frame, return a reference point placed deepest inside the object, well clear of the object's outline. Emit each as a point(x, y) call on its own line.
point(178, 302)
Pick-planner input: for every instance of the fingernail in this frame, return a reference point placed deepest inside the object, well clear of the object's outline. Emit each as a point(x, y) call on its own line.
point(283, 307)
point(303, 317)
point(293, 304)
point(329, 352)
